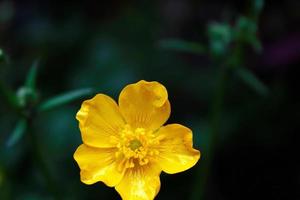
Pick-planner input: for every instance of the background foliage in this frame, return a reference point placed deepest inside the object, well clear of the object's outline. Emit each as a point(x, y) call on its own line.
point(231, 69)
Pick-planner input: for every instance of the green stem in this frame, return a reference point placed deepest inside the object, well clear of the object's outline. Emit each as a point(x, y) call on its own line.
point(41, 163)
point(215, 118)
point(216, 110)
point(5, 186)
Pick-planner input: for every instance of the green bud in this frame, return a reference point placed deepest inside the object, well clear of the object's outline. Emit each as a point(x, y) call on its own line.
point(220, 37)
point(246, 26)
point(245, 31)
point(26, 97)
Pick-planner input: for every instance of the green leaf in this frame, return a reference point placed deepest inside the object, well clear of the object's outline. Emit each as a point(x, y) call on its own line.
point(252, 81)
point(17, 133)
point(64, 99)
point(31, 76)
point(180, 45)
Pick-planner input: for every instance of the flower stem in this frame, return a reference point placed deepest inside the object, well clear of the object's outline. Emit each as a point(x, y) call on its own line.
point(5, 185)
point(216, 110)
point(41, 163)
point(203, 173)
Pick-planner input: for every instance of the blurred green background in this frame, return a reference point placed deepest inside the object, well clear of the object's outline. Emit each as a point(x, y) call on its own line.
point(231, 69)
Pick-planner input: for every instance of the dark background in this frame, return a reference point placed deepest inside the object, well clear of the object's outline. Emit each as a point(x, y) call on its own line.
point(107, 45)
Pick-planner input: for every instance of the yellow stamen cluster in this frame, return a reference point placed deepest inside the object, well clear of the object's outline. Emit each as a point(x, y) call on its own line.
point(135, 147)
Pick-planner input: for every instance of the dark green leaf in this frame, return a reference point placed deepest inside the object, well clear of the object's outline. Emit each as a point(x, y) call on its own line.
point(17, 133)
point(31, 76)
point(180, 45)
point(64, 99)
point(252, 81)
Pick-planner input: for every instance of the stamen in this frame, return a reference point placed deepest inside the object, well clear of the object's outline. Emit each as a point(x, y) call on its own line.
point(135, 147)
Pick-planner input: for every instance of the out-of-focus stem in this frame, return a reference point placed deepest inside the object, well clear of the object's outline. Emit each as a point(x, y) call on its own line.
point(216, 110)
point(5, 187)
point(41, 163)
point(215, 118)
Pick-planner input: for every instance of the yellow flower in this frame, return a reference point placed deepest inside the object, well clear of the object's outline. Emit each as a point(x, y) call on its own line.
point(126, 146)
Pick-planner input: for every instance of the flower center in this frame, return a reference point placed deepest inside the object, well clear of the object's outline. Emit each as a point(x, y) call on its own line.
point(135, 147)
point(135, 144)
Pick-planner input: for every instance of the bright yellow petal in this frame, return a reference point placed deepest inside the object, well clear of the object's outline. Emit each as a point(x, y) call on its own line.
point(140, 183)
point(145, 104)
point(176, 149)
point(98, 165)
point(100, 121)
